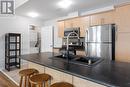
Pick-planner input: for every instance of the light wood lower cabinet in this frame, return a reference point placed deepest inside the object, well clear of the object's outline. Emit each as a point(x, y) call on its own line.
point(58, 76)
point(78, 82)
point(40, 68)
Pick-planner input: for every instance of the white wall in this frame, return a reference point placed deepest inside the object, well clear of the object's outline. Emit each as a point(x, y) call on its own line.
point(15, 24)
point(57, 40)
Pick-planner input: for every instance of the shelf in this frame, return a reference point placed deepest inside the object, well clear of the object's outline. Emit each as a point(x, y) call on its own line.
point(13, 64)
point(12, 57)
point(14, 42)
point(14, 49)
point(14, 34)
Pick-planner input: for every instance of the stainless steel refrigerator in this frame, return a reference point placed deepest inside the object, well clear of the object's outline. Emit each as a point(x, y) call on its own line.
point(100, 41)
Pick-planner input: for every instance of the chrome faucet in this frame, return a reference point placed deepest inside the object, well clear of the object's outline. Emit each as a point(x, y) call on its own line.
point(68, 41)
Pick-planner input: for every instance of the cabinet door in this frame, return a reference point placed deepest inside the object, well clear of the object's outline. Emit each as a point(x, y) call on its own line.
point(123, 18)
point(76, 22)
point(84, 25)
point(103, 18)
point(78, 82)
point(61, 29)
point(123, 47)
point(40, 68)
point(68, 23)
point(58, 76)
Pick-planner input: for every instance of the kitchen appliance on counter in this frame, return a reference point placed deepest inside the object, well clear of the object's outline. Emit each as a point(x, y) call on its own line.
point(69, 30)
point(100, 41)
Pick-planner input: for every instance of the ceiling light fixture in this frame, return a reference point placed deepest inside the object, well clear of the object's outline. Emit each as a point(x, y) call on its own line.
point(65, 3)
point(33, 14)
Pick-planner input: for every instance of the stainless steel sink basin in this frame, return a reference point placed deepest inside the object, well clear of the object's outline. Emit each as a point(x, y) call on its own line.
point(65, 57)
point(87, 60)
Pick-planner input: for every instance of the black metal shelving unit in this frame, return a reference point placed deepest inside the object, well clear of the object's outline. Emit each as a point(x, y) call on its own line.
point(12, 50)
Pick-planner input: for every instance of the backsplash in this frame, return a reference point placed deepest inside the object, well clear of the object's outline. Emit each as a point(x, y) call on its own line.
point(74, 41)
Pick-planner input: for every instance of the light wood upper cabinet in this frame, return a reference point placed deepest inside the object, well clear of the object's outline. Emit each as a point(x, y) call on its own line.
point(86, 21)
point(72, 23)
point(84, 24)
point(103, 18)
point(61, 29)
point(123, 18)
point(76, 22)
point(68, 23)
point(81, 22)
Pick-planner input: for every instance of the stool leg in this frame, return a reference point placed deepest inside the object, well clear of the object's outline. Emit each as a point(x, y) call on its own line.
point(46, 84)
point(25, 83)
point(49, 83)
point(21, 81)
point(29, 85)
point(32, 85)
point(40, 85)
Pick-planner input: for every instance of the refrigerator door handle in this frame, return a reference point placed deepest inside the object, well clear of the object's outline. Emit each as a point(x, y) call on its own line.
point(116, 33)
point(87, 42)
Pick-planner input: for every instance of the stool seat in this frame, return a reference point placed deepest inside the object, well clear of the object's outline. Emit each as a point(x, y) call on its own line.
point(62, 84)
point(40, 78)
point(27, 72)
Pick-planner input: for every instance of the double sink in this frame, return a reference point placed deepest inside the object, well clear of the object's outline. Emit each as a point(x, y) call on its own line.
point(82, 60)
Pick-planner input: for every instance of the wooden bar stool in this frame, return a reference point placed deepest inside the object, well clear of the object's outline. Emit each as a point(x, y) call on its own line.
point(62, 84)
point(40, 80)
point(26, 73)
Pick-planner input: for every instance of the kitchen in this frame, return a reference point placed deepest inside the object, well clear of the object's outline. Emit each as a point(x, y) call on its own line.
point(83, 46)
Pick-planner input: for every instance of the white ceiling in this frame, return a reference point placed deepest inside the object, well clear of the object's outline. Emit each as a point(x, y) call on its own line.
point(19, 3)
point(48, 9)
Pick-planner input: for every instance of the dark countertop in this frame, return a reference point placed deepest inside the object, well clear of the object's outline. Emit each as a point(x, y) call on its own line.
point(108, 73)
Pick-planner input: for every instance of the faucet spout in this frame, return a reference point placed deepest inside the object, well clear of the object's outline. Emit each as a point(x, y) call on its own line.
point(68, 41)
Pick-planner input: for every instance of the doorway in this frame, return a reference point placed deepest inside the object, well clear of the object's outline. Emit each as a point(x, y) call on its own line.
point(47, 39)
point(35, 39)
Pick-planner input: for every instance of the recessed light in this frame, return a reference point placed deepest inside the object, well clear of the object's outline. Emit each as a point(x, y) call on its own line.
point(65, 3)
point(33, 14)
